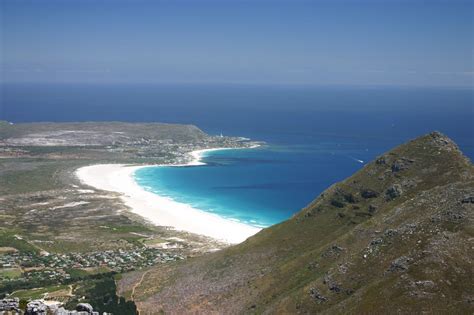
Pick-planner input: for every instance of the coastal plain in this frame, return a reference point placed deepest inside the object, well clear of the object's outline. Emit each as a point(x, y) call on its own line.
point(47, 213)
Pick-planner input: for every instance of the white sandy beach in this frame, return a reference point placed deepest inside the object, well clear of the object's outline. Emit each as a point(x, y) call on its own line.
point(160, 210)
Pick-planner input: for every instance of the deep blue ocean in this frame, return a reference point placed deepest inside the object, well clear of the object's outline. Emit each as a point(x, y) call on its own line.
point(315, 136)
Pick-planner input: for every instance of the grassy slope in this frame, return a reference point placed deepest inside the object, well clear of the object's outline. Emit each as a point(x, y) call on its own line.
point(345, 252)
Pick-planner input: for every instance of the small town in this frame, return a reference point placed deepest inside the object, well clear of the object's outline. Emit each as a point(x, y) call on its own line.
point(60, 267)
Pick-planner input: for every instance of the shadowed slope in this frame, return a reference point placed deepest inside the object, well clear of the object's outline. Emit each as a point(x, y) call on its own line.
point(395, 236)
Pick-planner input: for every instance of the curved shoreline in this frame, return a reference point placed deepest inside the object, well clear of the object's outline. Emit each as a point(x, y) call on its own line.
point(164, 211)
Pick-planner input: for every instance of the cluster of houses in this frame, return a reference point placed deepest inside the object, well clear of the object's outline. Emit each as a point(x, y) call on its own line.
point(175, 151)
point(56, 266)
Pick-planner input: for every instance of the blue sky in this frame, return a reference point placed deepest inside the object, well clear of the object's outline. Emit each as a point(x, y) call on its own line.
point(391, 42)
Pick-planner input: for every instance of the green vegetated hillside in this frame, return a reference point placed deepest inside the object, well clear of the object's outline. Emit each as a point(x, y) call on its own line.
point(397, 236)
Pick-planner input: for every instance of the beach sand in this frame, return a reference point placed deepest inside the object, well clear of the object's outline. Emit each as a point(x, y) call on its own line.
point(163, 211)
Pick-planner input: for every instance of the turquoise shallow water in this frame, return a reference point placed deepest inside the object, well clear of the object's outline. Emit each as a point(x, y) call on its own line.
point(260, 186)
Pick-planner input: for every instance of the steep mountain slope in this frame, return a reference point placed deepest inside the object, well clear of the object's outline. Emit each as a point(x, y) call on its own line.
point(397, 236)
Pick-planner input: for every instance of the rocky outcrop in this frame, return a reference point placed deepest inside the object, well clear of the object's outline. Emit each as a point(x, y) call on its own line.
point(400, 264)
point(10, 304)
point(394, 191)
point(318, 297)
point(369, 193)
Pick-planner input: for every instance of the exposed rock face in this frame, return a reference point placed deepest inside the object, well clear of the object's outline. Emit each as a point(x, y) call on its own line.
point(442, 142)
point(36, 307)
point(394, 191)
point(8, 304)
point(401, 164)
point(396, 237)
point(317, 296)
point(381, 160)
point(332, 285)
point(40, 307)
point(468, 200)
point(400, 264)
point(369, 193)
point(84, 307)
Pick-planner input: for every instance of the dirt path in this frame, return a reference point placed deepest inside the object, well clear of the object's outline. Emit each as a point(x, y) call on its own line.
point(70, 290)
point(132, 295)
